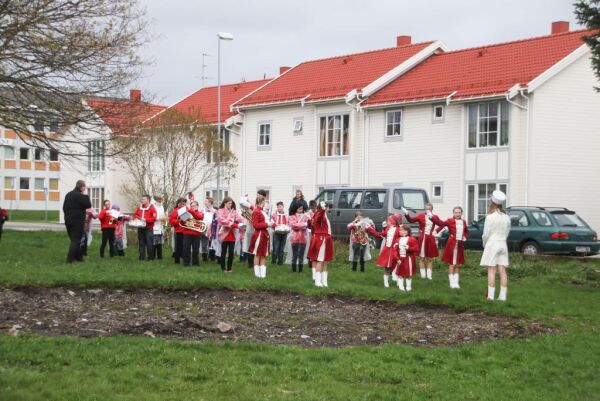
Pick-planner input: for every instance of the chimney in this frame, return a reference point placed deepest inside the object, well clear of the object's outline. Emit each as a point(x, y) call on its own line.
point(403, 40)
point(135, 96)
point(560, 27)
point(283, 69)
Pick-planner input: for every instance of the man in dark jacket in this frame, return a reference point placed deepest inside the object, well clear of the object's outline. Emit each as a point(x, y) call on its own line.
point(298, 200)
point(74, 207)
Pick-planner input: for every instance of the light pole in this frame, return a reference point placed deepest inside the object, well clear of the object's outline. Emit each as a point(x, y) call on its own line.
point(220, 36)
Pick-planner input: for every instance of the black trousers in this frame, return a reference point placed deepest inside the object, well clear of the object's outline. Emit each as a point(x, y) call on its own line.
point(146, 243)
point(227, 250)
point(178, 247)
point(108, 236)
point(278, 247)
point(191, 245)
point(298, 256)
point(1, 228)
point(75, 233)
point(358, 256)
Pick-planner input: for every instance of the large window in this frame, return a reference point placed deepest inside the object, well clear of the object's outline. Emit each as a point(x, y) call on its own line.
point(264, 134)
point(488, 124)
point(39, 184)
point(374, 199)
point(24, 153)
point(334, 134)
point(96, 197)
point(38, 154)
point(350, 199)
point(410, 199)
point(214, 194)
point(393, 123)
point(9, 182)
point(53, 155)
point(23, 183)
point(96, 155)
point(222, 144)
point(53, 184)
point(326, 196)
point(9, 152)
point(478, 198)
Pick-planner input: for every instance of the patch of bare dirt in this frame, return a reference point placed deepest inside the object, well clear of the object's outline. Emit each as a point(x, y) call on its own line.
point(267, 317)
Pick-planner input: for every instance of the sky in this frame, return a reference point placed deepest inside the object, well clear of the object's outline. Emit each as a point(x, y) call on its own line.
point(269, 33)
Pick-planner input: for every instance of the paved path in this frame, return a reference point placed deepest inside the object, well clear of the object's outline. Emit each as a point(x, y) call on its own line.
point(34, 226)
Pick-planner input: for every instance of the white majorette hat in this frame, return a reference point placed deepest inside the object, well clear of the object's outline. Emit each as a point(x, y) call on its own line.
point(498, 197)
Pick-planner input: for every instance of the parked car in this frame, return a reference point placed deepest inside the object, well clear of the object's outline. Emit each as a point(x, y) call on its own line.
point(550, 230)
point(375, 203)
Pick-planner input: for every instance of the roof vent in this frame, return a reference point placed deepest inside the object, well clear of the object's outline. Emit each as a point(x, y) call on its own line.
point(560, 27)
point(403, 40)
point(135, 96)
point(481, 52)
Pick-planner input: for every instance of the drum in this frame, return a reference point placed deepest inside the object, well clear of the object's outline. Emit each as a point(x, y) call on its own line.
point(137, 223)
point(282, 229)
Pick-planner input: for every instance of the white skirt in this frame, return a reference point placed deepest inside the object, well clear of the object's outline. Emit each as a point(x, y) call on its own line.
point(495, 253)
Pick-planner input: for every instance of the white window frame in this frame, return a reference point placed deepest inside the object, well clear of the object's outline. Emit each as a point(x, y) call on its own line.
point(338, 134)
point(12, 181)
point(478, 134)
point(434, 117)
point(4, 150)
point(268, 189)
point(35, 182)
point(269, 136)
point(298, 125)
point(435, 198)
point(50, 185)
point(42, 153)
point(387, 124)
point(96, 158)
point(96, 196)
point(478, 214)
point(28, 184)
point(28, 153)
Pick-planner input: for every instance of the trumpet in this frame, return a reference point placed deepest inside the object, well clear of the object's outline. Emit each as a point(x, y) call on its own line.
point(194, 225)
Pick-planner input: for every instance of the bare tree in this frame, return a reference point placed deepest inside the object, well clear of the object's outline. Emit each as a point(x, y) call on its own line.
point(173, 154)
point(54, 54)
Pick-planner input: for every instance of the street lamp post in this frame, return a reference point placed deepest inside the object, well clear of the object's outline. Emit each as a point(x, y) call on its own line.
point(220, 36)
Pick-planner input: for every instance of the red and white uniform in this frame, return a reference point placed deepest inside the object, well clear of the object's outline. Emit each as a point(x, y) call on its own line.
point(229, 220)
point(427, 245)
point(106, 220)
point(389, 252)
point(321, 245)
point(259, 243)
point(299, 225)
point(408, 247)
point(146, 213)
point(198, 215)
point(368, 230)
point(454, 252)
point(174, 221)
point(279, 219)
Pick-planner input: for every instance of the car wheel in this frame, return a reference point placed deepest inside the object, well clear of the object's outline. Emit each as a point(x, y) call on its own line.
point(530, 248)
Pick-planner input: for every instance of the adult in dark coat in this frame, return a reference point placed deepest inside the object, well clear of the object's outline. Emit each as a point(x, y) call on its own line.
point(297, 200)
point(74, 206)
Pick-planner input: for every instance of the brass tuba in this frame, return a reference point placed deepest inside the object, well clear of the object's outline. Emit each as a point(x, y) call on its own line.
point(245, 209)
point(194, 225)
point(360, 230)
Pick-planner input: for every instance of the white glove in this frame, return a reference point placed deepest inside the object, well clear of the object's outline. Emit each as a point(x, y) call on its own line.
point(323, 205)
point(404, 211)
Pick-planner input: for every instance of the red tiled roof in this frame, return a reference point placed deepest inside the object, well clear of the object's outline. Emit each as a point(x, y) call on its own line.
point(122, 115)
point(332, 77)
point(204, 101)
point(479, 71)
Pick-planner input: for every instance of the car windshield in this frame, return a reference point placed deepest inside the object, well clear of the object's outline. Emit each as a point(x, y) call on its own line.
point(568, 220)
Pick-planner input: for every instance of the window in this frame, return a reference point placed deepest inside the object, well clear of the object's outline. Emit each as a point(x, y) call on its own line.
point(334, 135)
point(478, 198)
point(9, 182)
point(488, 124)
point(267, 190)
point(409, 199)
point(393, 123)
point(213, 194)
point(53, 184)
point(541, 218)
point(298, 125)
point(438, 112)
point(568, 219)
point(96, 197)
point(96, 155)
point(9, 152)
point(326, 196)
point(518, 218)
point(24, 153)
point(264, 134)
point(38, 184)
point(437, 191)
point(23, 183)
point(53, 155)
point(223, 144)
point(374, 199)
point(38, 154)
point(350, 199)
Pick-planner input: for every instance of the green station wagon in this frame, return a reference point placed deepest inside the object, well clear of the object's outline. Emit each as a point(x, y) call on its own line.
point(535, 230)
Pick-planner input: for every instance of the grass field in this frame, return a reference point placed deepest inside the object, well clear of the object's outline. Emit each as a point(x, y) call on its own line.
point(32, 215)
point(564, 293)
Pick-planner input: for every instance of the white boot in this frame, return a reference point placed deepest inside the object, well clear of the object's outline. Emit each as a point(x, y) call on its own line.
point(408, 284)
point(386, 282)
point(314, 272)
point(456, 276)
point(318, 282)
point(263, 271)
point(394, 275)
point(451, 280)
point(491, 292)
point(324, 279)
point(430, 274)
point(401, 283)
point(423, 274)
point(257, 270)
point(502, 296)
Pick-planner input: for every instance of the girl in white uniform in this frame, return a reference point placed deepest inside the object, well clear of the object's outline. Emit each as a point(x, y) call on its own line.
point(495, 249)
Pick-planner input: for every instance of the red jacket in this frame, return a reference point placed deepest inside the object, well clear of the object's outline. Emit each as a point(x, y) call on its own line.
point(198, 215)
point(148, 214)
point(106, 220)
point(3, 216)
point(174, 221)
